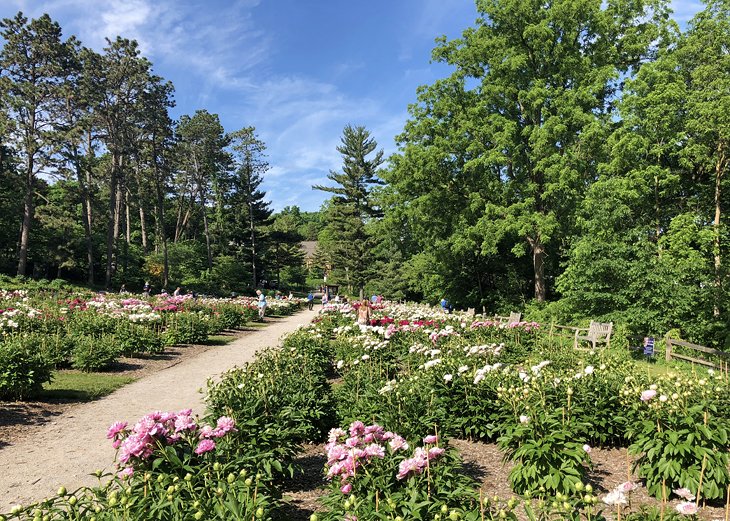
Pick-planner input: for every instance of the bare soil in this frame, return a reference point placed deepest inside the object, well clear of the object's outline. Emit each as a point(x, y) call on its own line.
point(484, 463)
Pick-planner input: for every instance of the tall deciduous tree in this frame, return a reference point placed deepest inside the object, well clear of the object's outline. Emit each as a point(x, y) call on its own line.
point(547, 76)
point(36, 64)
point(350, 247)
point(704, 62)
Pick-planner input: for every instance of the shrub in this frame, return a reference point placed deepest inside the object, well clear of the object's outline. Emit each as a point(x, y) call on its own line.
point(138, 339)
point(23, 368)
point(186, 328)
point(94, 354)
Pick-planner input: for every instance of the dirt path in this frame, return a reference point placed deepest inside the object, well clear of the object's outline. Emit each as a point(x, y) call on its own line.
point(65, 451)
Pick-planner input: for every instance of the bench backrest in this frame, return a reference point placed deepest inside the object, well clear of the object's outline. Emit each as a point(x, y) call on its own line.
point(514, 317)
point(600, 330)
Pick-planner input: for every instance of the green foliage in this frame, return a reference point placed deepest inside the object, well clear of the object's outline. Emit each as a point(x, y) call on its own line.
point(24, 368)
point(187, 328)
point(94, 353)
point(137, 339)
point(547, 458)
point(278, 401)
point(680, 434)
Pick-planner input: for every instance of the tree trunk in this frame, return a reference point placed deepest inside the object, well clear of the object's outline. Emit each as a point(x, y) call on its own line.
point(719, 169)
point(112, 221)
point(205, 228)
point(142, 226)
point(86, 217)
point(28, 209)
point(160, 215)
point(127, 234)
point(538, 263)
point(252, 230)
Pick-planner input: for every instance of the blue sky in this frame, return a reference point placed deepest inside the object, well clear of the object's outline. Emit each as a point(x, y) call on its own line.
point(297, 70)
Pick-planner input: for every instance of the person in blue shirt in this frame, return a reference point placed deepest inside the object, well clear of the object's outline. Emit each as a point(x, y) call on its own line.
point(310, 301)
point(261, 303)
point(446, 305)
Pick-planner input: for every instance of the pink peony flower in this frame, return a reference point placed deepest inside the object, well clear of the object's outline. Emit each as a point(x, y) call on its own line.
point(687, 508)
point(435, 452)
point(684, 493)
point(431, 439)
point(206, 431)
point(185, 423)
point(204, 446)
point(375, 451)
point(357, 428)
point(115, 429)
point(587, 448)
point(226, 424)
point(126, 472)
point(626, 487)
point(647, 395)
point(397, 443)
point(346, 488)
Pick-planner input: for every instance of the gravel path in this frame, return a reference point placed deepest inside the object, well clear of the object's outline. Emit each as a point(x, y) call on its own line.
point(67, 450)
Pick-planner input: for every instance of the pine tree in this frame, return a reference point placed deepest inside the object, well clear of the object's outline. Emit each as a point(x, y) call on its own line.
point(36, 64)
point(345, 239)
point(250, 212)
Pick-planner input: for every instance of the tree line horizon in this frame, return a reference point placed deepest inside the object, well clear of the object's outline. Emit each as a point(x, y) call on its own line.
point(572, 165)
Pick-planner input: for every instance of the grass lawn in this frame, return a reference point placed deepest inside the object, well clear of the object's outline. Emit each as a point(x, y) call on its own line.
point(83, 387)
point(219, 340)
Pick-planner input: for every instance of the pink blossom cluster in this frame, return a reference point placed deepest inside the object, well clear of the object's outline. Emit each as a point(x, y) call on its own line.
point(134, 303)
point(484, 323)
point(526, 326)
point(349, 450)
point(164, 428)
point(421, 458)
point(177, 300)
point(442, 333)
point(406, 325)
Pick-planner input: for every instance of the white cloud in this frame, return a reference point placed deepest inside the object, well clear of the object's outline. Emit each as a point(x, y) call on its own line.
point(219, 59)
point(684, 10)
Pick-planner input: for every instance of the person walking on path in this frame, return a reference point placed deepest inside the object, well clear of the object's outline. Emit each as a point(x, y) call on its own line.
point(310, 301)
point(363, 312)
point(261, 303)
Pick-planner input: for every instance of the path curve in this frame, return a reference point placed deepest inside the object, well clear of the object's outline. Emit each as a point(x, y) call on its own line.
point(67, 450)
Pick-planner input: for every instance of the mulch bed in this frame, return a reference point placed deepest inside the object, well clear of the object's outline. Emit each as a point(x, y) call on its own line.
point(483, 462)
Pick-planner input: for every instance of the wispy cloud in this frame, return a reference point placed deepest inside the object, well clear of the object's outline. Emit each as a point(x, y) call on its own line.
point(684, 10)
point(429, 23)
point(217, 44)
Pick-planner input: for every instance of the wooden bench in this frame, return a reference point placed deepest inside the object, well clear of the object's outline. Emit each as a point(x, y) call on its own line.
point(596, 333)
point(513, 317)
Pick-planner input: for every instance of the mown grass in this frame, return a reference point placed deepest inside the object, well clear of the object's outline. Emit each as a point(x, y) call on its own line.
point(219, 340)
point(72, 385)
